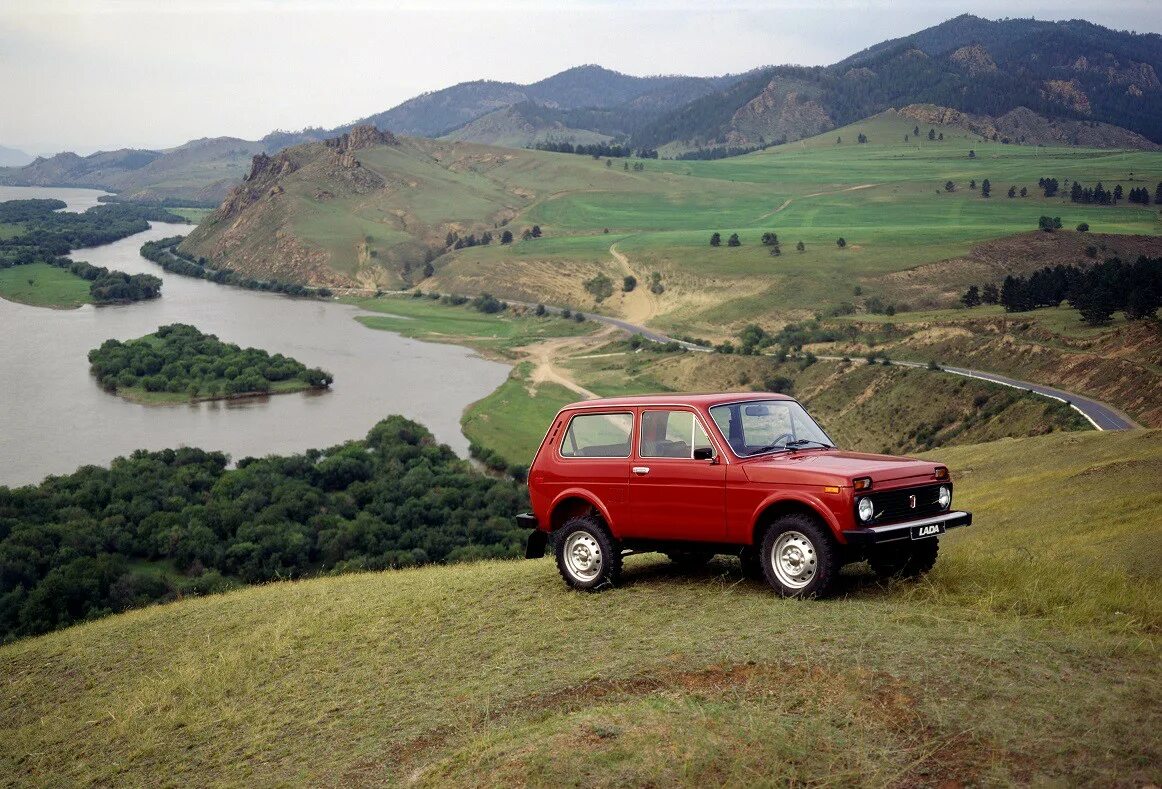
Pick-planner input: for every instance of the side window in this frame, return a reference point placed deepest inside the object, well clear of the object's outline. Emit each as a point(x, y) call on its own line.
point(598, 436)
point(670, 434)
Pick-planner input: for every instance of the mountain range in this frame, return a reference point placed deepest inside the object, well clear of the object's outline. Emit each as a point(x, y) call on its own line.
point(1070, 82)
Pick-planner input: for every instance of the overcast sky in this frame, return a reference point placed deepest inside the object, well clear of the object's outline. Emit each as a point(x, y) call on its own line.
point(99, 74)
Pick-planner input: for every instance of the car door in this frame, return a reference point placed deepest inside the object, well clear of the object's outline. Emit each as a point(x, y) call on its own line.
point(673, 496)
point(594, 453)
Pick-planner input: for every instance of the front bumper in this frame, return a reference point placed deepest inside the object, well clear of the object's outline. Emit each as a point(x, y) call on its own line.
point(919, 529)
point(535, 546)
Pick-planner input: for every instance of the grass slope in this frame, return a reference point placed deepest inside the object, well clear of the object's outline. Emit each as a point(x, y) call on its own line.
point(886, 198)
point(42, 285)
point(1029, 655)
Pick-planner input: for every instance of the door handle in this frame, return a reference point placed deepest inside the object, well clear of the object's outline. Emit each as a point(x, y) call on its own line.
point(641, 470)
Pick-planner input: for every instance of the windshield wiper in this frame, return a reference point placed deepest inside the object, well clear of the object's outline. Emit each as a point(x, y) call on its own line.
point(799, 442)
point(791, 446)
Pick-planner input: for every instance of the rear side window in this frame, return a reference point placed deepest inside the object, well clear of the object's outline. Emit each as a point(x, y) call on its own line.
point(670, 434)
point(598, 436)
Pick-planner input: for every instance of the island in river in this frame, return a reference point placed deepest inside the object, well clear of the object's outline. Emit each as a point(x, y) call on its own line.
point(178, 363)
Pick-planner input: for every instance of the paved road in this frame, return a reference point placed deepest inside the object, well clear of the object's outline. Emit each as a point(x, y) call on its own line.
point(1101, 415)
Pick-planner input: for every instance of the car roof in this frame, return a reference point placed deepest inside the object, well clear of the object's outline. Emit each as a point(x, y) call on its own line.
point(704, 400)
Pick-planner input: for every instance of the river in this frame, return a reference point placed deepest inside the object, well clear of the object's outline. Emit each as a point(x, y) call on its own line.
point(54, 417)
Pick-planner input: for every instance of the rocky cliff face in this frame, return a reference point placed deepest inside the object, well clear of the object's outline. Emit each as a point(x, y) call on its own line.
point(783, 111)
point(1023, 126)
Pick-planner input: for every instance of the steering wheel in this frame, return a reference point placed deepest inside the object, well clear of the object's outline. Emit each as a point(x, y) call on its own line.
point(781, 440)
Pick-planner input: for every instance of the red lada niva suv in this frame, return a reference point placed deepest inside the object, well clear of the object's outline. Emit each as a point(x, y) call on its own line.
point(751, 475)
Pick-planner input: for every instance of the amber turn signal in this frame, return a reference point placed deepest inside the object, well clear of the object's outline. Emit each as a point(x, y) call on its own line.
point(941, 472)
point(863, 483)
point(830, 488)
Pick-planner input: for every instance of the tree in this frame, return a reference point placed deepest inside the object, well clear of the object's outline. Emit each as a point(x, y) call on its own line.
point(841, 242)
point(989, 294)
point(715, 239)
point(949, 186)
point(770, 239)
point(1096, 302)
point(838, 140)
point(971, 297)
point(775, 251)
point(1083, 227)
point(429, 269)
point(971, 154)
point(1012, 192)
point(600, 286)
point(1117, 192)
point(733, 240)
point(540, 310)
point(1049, 223)
point(861, 139)
point(940, 136)
point(536, 231)
point(931, 134)
point(526, 235)
point(972, 184)
point(986, 188)
point(801, 247)
point(506, 237)
point(629, 283)
point(916, 131)
point(1024, 192)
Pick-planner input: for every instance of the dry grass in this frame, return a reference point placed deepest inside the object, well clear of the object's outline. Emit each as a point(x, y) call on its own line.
point(1030, 655)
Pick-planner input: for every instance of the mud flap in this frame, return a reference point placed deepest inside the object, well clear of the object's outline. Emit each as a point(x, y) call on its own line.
point(535, 547)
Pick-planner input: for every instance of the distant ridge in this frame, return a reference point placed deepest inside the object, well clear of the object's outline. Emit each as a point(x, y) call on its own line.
point(1069, 82)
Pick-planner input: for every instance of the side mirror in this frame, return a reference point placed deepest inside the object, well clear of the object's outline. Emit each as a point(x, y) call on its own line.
point(704, 453)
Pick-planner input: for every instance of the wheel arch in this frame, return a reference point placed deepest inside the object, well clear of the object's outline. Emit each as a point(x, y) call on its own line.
point(776, 507)
point(574, 503)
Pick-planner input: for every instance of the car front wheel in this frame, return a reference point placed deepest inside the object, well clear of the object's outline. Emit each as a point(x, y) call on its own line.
point(587, 556)
point(798, 557)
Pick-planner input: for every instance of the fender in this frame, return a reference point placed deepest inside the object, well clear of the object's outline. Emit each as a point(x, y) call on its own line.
point(808, 500)
point(579, 493)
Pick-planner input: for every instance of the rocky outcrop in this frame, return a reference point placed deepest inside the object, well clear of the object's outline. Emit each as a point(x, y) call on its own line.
point(1068, 92)
point(782, 112)
point(365, 136)
point(1023, 126)
point(974, 60)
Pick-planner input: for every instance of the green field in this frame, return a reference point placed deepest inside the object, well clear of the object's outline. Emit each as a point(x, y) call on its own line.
point(514, 419)
point(42, 285)
point(433, 321)
point(1029, 655)
point(887, 199)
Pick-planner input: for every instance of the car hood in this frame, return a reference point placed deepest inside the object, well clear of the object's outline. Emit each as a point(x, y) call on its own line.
point(837, 467)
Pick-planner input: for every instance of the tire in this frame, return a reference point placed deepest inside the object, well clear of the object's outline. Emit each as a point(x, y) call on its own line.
point(587, 556)
point(911, 561)
point(799, 558)
point(690, 560)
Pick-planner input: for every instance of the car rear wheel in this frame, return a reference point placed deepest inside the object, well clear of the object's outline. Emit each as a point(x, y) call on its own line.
point(909, 561)
point(587, 556)
point(799, 557)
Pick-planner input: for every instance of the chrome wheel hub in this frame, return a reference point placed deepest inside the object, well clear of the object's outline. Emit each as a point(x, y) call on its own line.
point(793, 559)
point(583, 556)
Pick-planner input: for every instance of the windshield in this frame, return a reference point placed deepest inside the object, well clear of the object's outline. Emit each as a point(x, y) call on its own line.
point(759, 426)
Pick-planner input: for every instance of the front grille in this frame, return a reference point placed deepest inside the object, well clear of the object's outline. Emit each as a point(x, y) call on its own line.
point(894, 505)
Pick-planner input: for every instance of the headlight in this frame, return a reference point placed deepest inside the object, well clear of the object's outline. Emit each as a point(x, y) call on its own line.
point(945, 497)
point(866, 509)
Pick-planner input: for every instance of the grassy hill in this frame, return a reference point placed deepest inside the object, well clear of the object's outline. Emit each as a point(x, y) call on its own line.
point(1030, 655)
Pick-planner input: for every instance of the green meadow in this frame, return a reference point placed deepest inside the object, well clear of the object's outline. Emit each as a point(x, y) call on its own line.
point(42, 285)
point(1028, 656)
